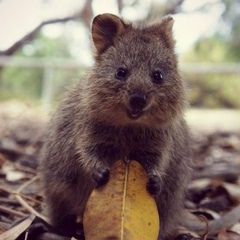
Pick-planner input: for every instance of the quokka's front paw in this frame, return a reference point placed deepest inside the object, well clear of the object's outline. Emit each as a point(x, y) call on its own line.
point(100, 175)
point(154, 185)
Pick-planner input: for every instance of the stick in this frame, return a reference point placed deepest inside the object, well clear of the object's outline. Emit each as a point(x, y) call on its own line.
point(12, 212)
point(194, 224)
point(25, 204)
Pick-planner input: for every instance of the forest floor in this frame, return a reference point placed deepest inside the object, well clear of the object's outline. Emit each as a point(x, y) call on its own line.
point(214, 191)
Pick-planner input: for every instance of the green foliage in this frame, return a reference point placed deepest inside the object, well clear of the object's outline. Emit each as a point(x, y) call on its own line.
point(231, 18)
point(20, 83)
point(214, 91)
point(206, 91)
point(224, 45)
point(42, 46)
point(211, 50)
point(26, 83)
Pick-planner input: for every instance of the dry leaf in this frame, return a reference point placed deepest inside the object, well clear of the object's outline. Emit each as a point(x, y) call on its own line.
point(14, 232)
point(122, 209)
point(236, 228)
point(223, 235)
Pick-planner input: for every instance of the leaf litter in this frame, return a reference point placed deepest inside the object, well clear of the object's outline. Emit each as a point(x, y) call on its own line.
point(212, 201)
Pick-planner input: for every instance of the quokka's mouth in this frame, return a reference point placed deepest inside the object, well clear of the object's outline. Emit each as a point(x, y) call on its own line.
point(134, 114)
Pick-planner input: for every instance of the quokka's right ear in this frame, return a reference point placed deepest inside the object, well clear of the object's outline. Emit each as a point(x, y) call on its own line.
point(105, 29)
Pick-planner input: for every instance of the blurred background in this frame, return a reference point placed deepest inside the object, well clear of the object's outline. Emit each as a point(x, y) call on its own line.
point(45, 46)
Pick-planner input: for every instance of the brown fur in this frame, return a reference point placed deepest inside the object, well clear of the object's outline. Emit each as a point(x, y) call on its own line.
point(92, 128)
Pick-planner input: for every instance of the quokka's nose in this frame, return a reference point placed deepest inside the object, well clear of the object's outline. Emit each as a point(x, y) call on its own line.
point(137, 101)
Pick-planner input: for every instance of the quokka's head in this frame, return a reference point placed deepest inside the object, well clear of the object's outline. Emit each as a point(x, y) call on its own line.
point(135, 80)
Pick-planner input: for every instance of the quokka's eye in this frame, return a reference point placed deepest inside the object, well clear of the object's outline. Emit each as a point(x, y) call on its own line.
point(121, 73)
point(157, 77)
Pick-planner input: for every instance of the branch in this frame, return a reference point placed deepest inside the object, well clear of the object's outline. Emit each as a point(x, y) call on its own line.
point(174, 8)
point(30, 36)
point(85, 15)
point(120, 5)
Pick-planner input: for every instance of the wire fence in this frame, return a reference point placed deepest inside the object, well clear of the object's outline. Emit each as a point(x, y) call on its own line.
point(50, 66)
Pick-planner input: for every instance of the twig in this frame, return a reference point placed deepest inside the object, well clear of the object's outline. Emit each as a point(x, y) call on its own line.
point(25, 169)
point(7, 200)
point(224, 222)
point(204, 219)
point(20, 194)
point(25, 204)
point(85, 15)
point(26, 235)
point(228, 171)
point(31, 35)
point(12, 212)
point(14, 232)
point(18, 166)
point(34, 179)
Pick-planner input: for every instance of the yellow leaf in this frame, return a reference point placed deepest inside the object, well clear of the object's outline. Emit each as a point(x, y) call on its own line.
point(122, 209)
point(14, 232)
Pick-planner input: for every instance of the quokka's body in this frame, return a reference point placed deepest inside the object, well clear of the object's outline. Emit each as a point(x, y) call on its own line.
point(129, 106)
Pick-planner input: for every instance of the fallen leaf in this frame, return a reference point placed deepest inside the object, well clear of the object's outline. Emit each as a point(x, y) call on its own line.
point(186, 236)
point(122, 209)
point(236, 228)
point(228, 235)
point(209, 214)
point(15, 231)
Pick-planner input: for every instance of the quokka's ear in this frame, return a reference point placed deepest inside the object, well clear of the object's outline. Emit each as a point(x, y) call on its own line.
point(163, 29)
point(105, 28)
